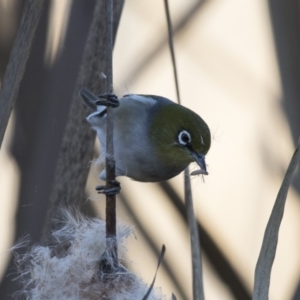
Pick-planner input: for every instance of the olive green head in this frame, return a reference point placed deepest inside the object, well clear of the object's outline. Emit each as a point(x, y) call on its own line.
point(179, 137)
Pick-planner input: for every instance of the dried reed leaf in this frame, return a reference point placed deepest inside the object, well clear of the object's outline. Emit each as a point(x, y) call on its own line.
point(160, 259)
point(268, 249)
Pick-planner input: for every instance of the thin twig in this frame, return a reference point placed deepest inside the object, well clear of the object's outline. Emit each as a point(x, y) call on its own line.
point(17, 61)
point(198, 291)
point(171, 47)
point(110, 162)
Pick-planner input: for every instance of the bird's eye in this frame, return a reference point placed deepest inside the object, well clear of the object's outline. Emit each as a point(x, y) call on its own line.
point(184, 137)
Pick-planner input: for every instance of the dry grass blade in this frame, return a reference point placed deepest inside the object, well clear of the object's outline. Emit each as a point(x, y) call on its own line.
point(161, 256)
point(268, 249)
point(17, 61)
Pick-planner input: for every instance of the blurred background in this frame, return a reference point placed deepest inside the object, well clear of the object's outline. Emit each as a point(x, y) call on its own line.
point(239, 69)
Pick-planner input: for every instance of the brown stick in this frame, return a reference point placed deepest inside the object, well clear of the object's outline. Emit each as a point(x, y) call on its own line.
point(110, 163)
point(17, 61)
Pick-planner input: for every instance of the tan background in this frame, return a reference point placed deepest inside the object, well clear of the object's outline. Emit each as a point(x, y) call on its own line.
point(229, 74)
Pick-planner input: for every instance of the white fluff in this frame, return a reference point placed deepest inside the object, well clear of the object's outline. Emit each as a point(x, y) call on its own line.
point(67, 268)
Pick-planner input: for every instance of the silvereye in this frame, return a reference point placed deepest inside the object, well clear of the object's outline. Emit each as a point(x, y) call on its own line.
point(154, 138)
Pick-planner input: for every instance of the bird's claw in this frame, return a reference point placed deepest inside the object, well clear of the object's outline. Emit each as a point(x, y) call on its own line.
point(109, 191)
point(108, 99)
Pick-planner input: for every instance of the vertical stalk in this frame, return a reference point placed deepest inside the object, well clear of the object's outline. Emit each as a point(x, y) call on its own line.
point(198, 291)
point(110, 162)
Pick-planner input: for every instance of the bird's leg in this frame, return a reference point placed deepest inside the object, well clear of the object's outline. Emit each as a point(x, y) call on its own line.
point(108, 99)
point(110, 191)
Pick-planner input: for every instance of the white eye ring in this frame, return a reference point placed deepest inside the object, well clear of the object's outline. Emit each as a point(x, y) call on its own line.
point(184, 137)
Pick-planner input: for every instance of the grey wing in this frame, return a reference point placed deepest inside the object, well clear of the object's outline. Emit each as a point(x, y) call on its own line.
point(133, 149)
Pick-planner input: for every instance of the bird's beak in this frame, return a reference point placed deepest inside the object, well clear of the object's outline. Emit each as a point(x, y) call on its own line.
point(200, 160)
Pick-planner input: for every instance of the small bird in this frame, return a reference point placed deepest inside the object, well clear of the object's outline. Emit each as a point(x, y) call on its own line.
point(154, 138)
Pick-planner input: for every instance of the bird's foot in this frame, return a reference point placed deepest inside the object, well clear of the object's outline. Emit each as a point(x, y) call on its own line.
point(108, 99)
point(109, 191)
